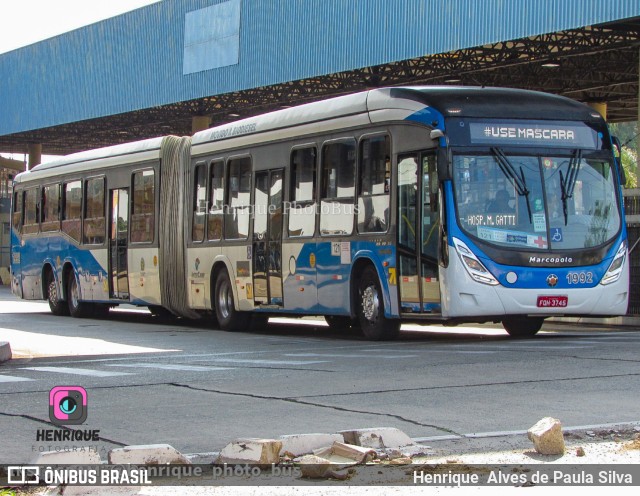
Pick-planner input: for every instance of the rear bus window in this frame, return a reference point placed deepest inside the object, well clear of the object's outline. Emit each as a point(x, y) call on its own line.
point(16, 218)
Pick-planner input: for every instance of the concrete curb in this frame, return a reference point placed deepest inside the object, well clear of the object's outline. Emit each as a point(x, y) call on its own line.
point(5, 351)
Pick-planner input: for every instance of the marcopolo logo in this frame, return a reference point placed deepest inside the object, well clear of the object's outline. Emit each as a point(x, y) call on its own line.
point(68, 405)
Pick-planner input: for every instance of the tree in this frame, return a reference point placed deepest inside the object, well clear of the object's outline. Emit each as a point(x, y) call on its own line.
point(630, 167)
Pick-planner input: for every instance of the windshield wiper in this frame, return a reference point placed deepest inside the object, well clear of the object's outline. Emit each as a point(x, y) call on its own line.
point(509, 170)
point(568, 184)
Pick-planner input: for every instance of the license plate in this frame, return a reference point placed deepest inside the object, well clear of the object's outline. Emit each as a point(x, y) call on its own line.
point(553, 301)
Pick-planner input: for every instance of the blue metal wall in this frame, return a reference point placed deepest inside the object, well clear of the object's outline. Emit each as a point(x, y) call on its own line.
point(135, 60)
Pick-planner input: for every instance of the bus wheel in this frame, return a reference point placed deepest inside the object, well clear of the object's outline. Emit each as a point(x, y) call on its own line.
point(77, 308)
point(229, 319)
point(522, 327)
point(57, 306)
point(370, 303)
point(341, 323)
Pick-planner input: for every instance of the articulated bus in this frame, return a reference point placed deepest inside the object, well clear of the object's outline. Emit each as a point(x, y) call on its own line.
point(407, 204)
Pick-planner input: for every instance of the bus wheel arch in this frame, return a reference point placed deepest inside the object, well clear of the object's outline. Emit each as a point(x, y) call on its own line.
point(368, 303)
point(224, 301)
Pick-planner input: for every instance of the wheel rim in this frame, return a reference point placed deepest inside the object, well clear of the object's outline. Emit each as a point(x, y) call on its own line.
point(225, 300)
point(370, 303)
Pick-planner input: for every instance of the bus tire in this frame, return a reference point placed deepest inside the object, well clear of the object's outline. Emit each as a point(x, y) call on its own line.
point(522, 327)
point(77, 308)
point(56, 305)
point(341, 323)
point(370, 309)
point(229, 319)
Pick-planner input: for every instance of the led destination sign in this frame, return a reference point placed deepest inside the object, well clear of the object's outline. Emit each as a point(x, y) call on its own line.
point(533, 134)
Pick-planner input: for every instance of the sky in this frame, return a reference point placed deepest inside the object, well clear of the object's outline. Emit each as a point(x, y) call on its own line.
point(28, 21)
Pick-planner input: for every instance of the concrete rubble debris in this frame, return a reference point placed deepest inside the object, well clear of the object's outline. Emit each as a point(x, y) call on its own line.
point(546, 436)
point(316, 467)
point(346, 453)
point(5, 351)
point(251, 451)
point(303, 444)
point(377, 438)
point(147, 454)
point(389, 440)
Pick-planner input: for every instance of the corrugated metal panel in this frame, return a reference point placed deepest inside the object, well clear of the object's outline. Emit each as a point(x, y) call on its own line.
point(135, 60)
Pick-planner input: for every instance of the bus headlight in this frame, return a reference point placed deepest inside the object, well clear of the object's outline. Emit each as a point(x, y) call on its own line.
point(615, 269)
point(476, 270)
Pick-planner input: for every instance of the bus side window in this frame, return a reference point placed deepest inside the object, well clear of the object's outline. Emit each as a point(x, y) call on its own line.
point(31, 211)
point(199, 203)
point(143, 208)
point(236, 224)
point(373, 185)
point(216, 201)
point(338, 188)
point(302, 214)
point(94, 218)
point(51, 208)
point(72, 209)
point(16, 218)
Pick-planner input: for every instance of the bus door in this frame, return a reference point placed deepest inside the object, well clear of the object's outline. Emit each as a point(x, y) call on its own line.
point(418, 233)
point(118, 244)
point(267, 238)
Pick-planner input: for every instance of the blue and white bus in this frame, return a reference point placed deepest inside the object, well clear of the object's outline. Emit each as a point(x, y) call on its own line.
point(408, 204)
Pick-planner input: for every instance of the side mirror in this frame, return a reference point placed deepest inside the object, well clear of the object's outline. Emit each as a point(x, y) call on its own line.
point(617, 153)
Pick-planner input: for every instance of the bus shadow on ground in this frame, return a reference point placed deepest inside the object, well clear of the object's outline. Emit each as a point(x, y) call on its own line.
point(318, 329)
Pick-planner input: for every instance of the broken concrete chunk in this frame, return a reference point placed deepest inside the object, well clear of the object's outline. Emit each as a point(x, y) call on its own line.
point(547, 438)
point(251, 451)
point(377, 438)
point(302, 444)
point(315, 467)
point(147, 454)
point(346, 453)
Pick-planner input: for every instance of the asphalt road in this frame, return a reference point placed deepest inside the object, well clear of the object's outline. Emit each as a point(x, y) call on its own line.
point(197, 388)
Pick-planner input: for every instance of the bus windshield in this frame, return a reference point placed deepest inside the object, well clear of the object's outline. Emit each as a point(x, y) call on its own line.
point(536, 202)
